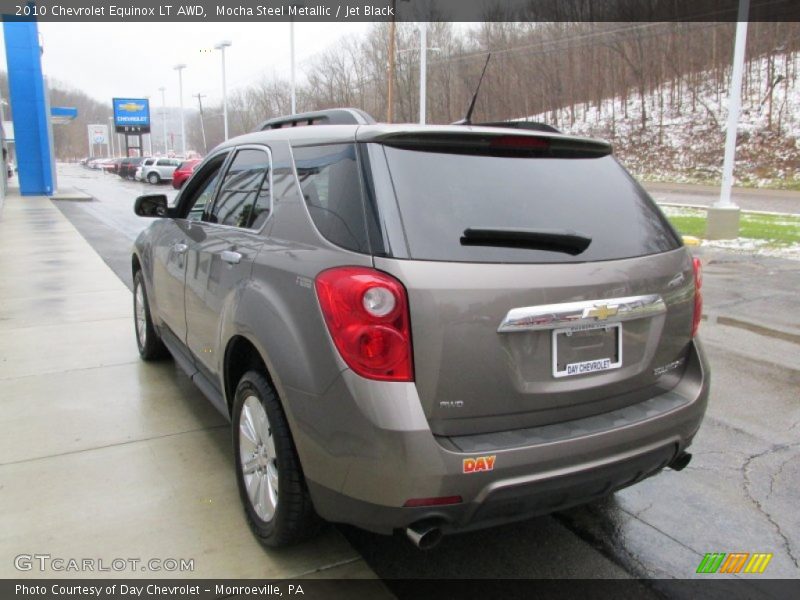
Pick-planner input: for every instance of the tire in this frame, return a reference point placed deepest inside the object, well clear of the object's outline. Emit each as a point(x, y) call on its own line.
point(274, 493)
point(147, 340)
point(153, 178)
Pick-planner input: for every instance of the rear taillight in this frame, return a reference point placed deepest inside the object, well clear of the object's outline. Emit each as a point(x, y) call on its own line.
point(367, 315)
point(698, 295)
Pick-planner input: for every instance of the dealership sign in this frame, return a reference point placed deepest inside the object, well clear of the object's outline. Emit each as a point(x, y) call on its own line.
point(131, 115)
point(98, 134)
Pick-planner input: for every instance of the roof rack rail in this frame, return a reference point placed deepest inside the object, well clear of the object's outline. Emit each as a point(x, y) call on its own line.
point(333, 116)
point(529, 125)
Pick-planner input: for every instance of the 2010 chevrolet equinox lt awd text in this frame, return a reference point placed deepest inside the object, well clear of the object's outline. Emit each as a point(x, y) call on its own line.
point(424, 328)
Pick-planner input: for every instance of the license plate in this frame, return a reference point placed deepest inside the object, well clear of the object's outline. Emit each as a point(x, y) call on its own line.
point(585, 350)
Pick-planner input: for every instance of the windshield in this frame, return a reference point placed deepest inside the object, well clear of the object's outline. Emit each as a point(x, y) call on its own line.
point(441, 195)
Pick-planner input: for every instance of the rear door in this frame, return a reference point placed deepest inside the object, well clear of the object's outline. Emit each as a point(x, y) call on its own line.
point(514, 323)
point(222, 248)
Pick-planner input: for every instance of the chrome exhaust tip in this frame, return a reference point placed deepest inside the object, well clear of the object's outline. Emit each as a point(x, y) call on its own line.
point(679, 462)
point(424, 536)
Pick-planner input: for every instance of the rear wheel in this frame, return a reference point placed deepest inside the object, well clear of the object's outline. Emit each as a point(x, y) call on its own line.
point(153, 178)
point(150, 345)
point(271, 482)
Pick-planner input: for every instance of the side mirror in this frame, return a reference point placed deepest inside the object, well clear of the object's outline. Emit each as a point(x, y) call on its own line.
point(151, 205)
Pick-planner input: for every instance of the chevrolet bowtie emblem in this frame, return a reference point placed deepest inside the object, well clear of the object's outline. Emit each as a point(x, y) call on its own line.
point(602, 312)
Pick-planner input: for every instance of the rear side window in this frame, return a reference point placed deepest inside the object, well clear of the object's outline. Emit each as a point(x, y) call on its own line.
point(330, 182)
point(440, 195)
point(244, 196)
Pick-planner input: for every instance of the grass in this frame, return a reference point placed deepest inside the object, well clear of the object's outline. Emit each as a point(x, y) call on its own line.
point(778, 230)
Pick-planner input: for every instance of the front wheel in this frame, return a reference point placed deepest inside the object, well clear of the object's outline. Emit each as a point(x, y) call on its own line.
point(150, 345)
point(271, 482)
point(153, 178)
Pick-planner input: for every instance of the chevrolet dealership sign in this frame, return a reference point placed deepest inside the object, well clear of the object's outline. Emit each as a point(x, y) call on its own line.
point(131, 115)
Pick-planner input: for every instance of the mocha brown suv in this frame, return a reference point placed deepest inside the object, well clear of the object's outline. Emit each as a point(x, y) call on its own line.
point(426, 328)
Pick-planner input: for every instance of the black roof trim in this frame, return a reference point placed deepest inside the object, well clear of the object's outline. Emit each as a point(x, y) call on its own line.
point(333, 116)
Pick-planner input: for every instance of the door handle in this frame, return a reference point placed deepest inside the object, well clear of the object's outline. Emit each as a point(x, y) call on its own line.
point(231, 257)
point(180, 248)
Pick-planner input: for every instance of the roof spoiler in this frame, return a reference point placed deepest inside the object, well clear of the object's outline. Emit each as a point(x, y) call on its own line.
point(526, 125)
point(333, 116)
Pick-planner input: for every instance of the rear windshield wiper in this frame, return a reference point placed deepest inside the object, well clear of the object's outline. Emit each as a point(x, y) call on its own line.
point(554, 240)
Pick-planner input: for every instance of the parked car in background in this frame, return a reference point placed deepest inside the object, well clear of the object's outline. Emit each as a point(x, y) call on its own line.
point(147, 162)
point(425, 328)
point(128, 165)
point(160, 170)
point(183, 172)
point(109, 165)
point(95, 163)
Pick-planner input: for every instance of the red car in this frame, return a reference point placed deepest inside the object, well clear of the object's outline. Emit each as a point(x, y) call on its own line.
point(182, 173)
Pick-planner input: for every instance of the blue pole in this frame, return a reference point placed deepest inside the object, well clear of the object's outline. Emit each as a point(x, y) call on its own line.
point(28, 99)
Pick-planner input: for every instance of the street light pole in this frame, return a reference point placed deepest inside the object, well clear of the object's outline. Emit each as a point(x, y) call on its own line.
point(734, 105)
point(162, 89)
point(423, 71)
point(179, 68)
point(149, 135)
point(291, 54)
point(723, 217)
point(111, 135)
point(221, 47)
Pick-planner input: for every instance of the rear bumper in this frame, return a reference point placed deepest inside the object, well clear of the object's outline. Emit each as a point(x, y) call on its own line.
point(379, 453)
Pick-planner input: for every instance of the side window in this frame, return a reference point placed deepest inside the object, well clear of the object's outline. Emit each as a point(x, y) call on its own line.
point(244, 197)
point(330, 181)
point(163, 162)
point(195, 200)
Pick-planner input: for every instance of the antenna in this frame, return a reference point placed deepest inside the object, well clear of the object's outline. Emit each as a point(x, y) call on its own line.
point(467, 120)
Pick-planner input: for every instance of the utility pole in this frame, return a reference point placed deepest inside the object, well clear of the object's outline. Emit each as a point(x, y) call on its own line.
point(202, 124)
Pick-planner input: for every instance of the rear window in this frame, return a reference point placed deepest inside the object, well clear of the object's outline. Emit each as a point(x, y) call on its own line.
point(440, 195)
point(331, 185)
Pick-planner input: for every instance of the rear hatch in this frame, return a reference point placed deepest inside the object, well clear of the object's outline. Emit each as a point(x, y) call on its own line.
point(544, 284)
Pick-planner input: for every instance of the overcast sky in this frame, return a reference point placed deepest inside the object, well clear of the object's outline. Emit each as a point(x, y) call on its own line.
point(133, 59)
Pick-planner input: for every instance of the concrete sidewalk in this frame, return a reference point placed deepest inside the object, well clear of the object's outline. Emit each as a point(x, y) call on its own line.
point(101, 455)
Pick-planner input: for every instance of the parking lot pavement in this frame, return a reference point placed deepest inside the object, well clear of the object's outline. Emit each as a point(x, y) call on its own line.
point(102, 456)
point(781, 201)
point(737, 495)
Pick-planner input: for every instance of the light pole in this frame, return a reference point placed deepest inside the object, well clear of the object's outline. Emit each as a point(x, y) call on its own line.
point(221, 47)
point(423, 71)
point(149, 135)
point(722, 220)
point(111, 135)
point(162, 89)
point(179, 68)
point(291, 54)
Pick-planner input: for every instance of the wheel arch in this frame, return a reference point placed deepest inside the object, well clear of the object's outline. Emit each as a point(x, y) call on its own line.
point(242, 355)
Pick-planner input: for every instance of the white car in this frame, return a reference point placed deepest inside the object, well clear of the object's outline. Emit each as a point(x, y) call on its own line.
point(147, 162)
point(156, 170)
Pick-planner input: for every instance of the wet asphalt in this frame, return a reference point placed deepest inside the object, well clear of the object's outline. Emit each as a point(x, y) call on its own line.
point(739, 494)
